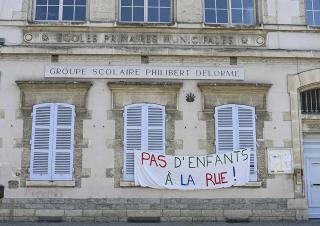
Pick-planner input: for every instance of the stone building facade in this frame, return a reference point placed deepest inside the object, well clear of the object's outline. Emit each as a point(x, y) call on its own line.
point(263, 54)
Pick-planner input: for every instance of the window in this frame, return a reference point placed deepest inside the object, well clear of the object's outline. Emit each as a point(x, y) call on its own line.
point(235, 128)
point(52, 142)
point(310, 101)
point(144, 129)
point(229, 12)
point(60, 10)
point(313, 12)
point(145, 11)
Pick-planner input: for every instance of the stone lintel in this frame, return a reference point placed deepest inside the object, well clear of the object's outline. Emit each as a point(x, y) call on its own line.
point(36, 92)
point(163, 93)
point(40, 84)
point(253, 94)
point(118, 86)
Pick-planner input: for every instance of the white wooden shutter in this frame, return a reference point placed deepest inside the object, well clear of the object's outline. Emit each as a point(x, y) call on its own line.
point(224, 128)
point(156, 128)
point(235, 128)
point(132, 138)
point(42, 124)
point(144, 129)
point(247, 135)
point(62, 161)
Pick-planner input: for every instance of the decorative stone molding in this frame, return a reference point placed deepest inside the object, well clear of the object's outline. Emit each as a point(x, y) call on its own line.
point(252, 94)
point(36, 92)
point(125, 93)
point(301, 124)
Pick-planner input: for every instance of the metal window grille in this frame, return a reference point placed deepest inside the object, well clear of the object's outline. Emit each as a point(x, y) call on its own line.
point(310, 101)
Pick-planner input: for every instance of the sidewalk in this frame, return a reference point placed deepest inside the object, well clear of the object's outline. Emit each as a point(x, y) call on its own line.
point(266, 223)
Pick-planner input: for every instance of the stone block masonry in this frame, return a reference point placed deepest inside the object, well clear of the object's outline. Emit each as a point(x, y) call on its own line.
point(116, 210)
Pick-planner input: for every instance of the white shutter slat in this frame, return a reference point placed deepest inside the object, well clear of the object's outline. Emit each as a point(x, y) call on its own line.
point(247, 136)
point(156, 128)
point(132, 138)
point(224, 129)
point(40, 166)
point(62, 161)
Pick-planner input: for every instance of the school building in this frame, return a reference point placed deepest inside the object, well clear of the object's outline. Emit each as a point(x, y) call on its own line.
point(86, 83)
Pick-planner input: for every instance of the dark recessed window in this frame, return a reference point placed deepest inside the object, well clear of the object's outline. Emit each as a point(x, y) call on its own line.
point(60, 10)
point(229, 12)
point(146, 11)
point(313, 12)
point(310, 101)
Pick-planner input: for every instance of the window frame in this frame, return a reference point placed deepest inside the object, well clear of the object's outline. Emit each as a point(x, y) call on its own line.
point(52, 149)
point(229, 10)
point(146, 13)
point(59, 20)
point(313, 16)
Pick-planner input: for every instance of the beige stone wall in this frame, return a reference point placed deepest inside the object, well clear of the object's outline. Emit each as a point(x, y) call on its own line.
point(99, 131)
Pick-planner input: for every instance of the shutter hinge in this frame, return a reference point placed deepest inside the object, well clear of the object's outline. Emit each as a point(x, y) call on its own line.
point(31, 114)
point(122, 171)
point(30, 142)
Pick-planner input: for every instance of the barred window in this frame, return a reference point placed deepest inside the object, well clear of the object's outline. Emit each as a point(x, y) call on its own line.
point(310, 101)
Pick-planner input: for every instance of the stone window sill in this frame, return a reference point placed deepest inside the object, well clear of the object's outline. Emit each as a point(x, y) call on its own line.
point(255, 184)
point(128, 184)
point(71, 183)
point(310, 116)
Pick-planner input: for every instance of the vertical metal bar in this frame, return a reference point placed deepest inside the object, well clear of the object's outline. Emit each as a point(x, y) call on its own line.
point(302, 102)
point(316, 100)
point(306, 99)
point(311, 101)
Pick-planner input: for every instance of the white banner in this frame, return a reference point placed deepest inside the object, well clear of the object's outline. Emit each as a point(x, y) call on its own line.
point(144, 72)
point(192, 172)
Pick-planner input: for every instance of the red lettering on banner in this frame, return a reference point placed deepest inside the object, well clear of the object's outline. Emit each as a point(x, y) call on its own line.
point(154, 160)
point(144, 156)
point(163, 162)
point(216, 178)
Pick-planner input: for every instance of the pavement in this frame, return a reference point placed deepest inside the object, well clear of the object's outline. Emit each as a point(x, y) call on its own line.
point(265, 223)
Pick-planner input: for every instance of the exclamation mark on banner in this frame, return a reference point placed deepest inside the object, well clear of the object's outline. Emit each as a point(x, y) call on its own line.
point(234, 174)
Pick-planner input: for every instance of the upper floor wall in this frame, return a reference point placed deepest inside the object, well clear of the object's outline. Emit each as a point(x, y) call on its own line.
point(274, 24)
point(185, 13)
